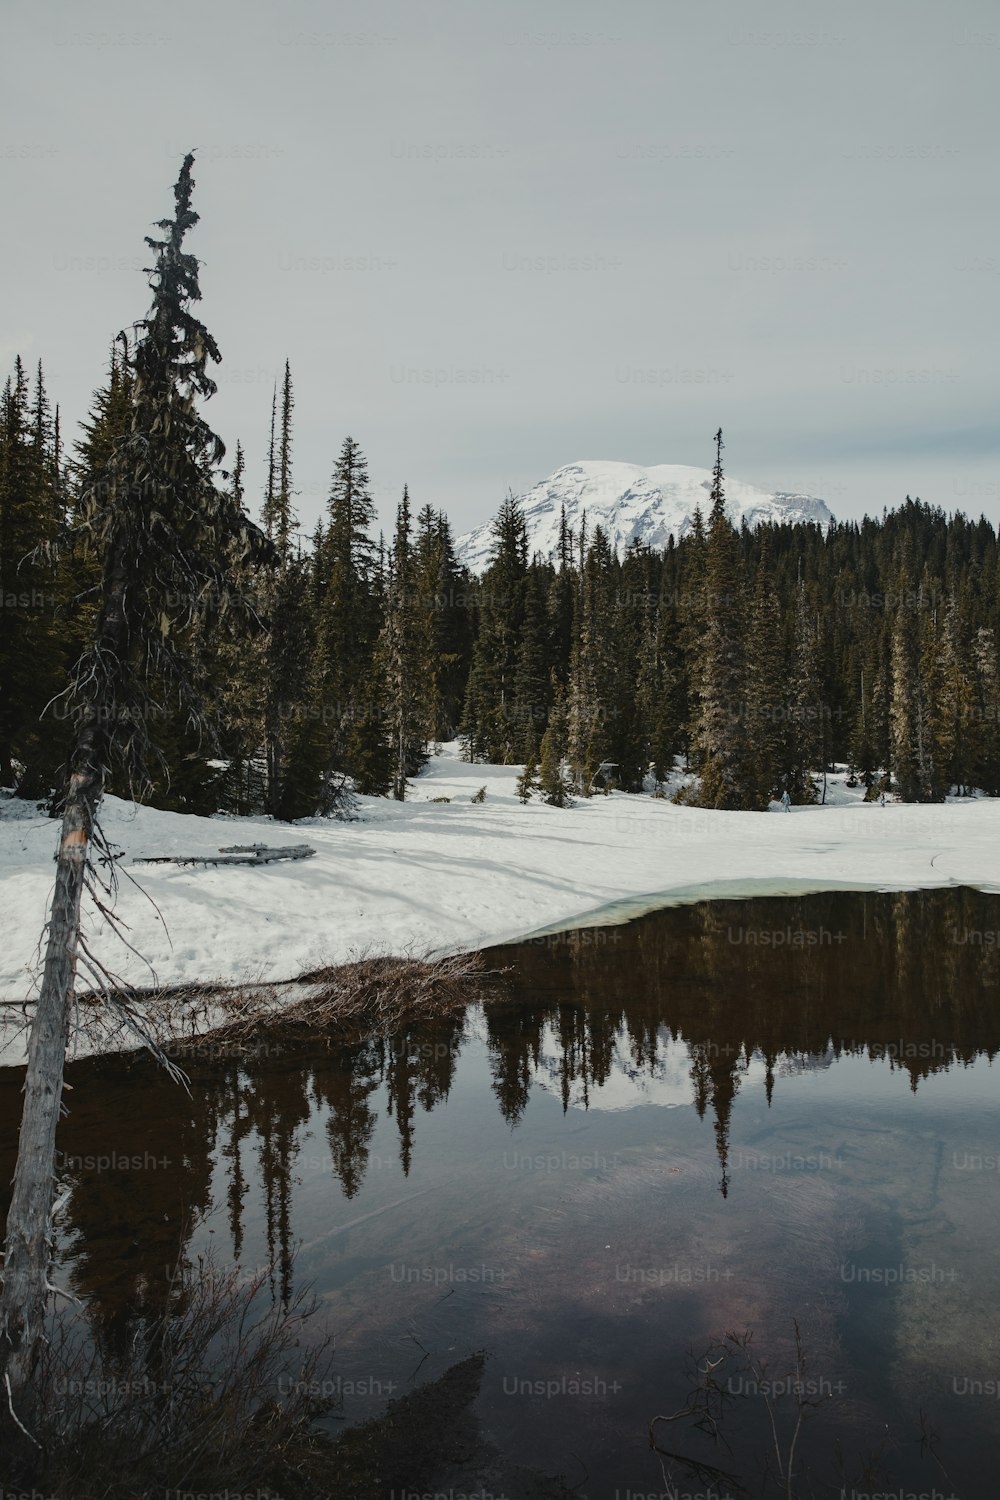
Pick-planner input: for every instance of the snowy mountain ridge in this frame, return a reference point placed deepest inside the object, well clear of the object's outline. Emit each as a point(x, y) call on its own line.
point(631, 503)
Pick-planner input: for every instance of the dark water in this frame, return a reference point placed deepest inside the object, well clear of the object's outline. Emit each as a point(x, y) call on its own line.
point(722, 1117)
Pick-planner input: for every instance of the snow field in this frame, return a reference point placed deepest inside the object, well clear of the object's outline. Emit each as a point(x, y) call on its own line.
point(426, 877)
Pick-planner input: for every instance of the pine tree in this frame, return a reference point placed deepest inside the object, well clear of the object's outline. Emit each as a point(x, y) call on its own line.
point(81, 574)
point(766, 692)
point(805, 748)
point(278, 516)
point(527, 782)
point(633, 632)
point(879, 718)
point(561, 601)
point(169, 538)
point(905, 710)
point(348, 621)
point(489, 728)
point(954, 729)
point(987, 710)
point(911, 711)
point(110, 414)
point(861, 758)
point(401, 658)
point(441, 590)
point(940, 715)
point(286, 520)
point(31, 657)
point(236, 671)
point(692, 621)
point(653, 698)
point(720, 736)
point(592, 697)
point(289, 733)
point(268, 514)
point(551, 779)
point(531, 679)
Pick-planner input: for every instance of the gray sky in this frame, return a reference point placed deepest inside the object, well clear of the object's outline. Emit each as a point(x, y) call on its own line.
point(495, 239)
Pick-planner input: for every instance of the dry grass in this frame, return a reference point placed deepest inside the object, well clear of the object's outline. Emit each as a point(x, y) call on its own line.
point(388, 992)
point(216, 1394)
point(372, 994)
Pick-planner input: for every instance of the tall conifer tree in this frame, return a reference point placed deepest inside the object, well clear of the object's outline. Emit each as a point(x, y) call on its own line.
point(488, 726)
point(31, 658)
point(720, 686)
point(169, 537)
point(348, 622)
point(766, 690)
point(402, 662)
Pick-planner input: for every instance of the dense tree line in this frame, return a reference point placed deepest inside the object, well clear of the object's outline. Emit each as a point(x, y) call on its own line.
point(760, 658)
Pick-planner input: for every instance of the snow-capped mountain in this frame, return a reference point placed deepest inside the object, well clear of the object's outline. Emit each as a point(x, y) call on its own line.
point(627, 1086)
point(632, 503)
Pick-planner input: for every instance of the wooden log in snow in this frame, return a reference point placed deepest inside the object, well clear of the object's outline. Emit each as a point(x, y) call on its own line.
point(235, 854)
point(288, 851)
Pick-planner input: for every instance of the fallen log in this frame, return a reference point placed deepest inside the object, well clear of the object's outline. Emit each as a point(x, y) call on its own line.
point(233, 854)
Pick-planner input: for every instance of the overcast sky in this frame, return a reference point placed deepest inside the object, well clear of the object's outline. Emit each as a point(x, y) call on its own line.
point(493, 239)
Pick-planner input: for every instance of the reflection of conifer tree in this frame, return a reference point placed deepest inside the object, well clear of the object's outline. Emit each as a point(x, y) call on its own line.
point(401, 1103)
point(574, 1064)
point(884, 967)
point(146, 1209)
point(275, 1161)
point(346, 1090)
point(437, 1047)
point(232, 1151)
point(725, 1086)
point(603, 1029)
point(514, 1038)
point(279, 1107)
point(701, 1078)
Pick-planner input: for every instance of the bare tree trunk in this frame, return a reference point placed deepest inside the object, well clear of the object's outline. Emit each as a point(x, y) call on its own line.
point(272, 761)
point(399, 780)
point(28, 1245)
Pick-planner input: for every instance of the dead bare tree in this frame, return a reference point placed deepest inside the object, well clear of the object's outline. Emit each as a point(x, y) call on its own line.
point(168, 538)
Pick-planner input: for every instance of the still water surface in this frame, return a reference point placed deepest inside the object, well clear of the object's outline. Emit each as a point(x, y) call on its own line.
point(725, 1116)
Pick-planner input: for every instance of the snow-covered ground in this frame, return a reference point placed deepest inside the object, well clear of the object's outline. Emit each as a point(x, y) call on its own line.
point(434, 877)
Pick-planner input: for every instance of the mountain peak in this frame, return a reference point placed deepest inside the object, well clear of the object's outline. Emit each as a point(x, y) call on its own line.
point(632, 503)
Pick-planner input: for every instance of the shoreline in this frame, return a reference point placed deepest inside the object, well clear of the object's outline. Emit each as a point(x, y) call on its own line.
point(426, 880)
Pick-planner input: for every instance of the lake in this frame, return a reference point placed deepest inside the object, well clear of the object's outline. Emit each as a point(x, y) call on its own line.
point(725, 1117)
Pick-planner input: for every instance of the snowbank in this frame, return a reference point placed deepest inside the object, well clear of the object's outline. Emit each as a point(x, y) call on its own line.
point(427, 877)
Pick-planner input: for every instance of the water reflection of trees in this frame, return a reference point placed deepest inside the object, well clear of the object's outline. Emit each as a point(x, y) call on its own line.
point(903, 976)
point(908, 976)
